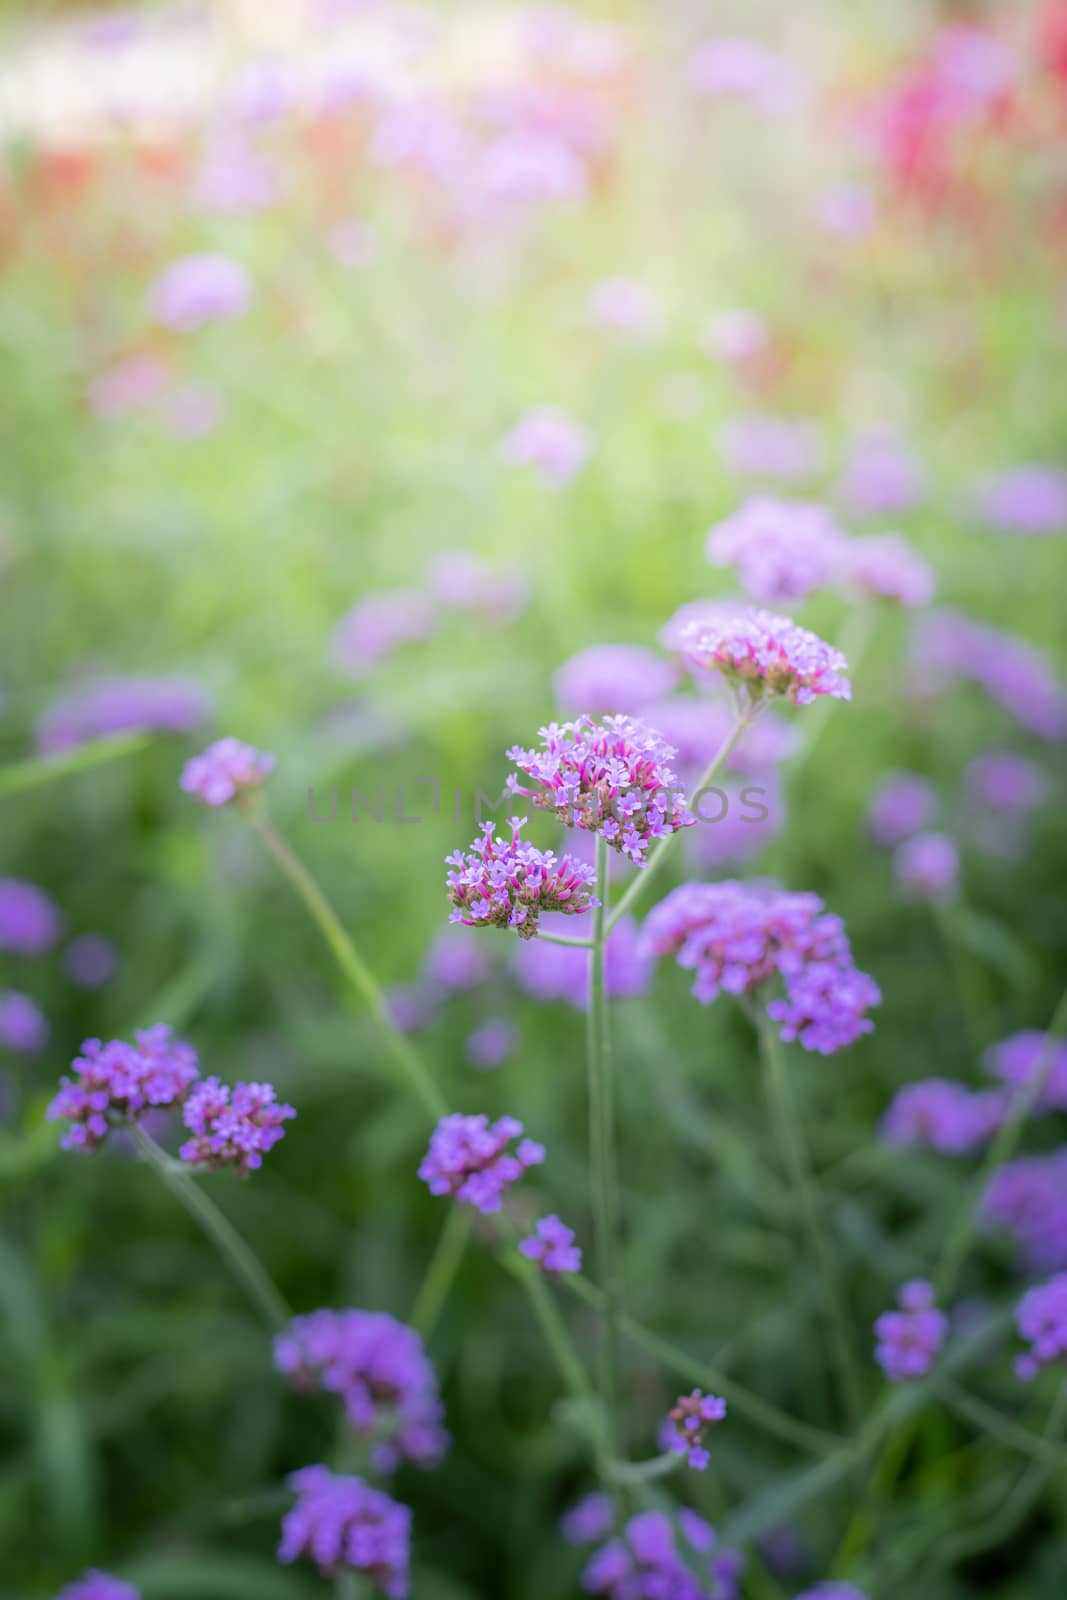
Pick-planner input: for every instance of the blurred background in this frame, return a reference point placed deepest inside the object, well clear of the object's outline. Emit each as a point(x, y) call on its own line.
point(361, 364)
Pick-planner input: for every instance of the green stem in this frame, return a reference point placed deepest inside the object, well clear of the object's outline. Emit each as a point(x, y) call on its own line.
point(441, 1272)
point(660, 850)
point(352, 965)
point(605, 1203)
point(563, 938)
point(30, 774)
point(555, 1332)
point(238, 1256)
point(795, 1156)
point(987, 1419)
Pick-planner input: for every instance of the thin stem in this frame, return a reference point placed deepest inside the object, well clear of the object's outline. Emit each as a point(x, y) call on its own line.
point(962, 1230)
point(794, 1153)
point(987, 1419)
point(19, 776)
point(659, 851)
point(557, 1337)
point(238, 1256)
point(440, 1274)
point(602, 1155)
point(563, 938)
point(352, 965)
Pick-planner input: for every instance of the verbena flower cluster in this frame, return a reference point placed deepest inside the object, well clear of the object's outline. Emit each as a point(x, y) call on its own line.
point(950, 645)
point(737, 937)
point(764, 656)
point(1027, 1198)
point(341, 1523)
point(552, 1247)
point(469, 1158)
point(612, 778)
point(1032, 1059)
point(24, 1029)
point(688, 1422)
point(940, 1114)
point(613, 677)
point(904, 803)
point(30, 923)
point(121, 705)
point(232, 1127)
point(927, 867)
point(884, 566)
point(1041, 1318)
point(95, 1585)
point(781, 550)
point(379, 1371)
point(226, 769)
point(647, 1563)
point(508, 883)
point(908, 1339)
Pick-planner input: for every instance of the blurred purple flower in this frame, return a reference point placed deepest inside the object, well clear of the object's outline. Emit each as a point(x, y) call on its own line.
point(1026, 500)
point(1027, 1198)
point(24, 1029)
point(627, 306)
point(131, 385)
point(378, 623)
point(225, 771)
point(697, 727)
point(30, 922)
point(910, 1338)
point(491, 1043)
point(456, 961)
point(847, 210)
point(735, 336)
point(461, 581)
point(940, 1114)
point(1004, 781)
point(883, 566)
point(744, 69)
point(646, 1561)
point(926, 866)
point(881, 476)
point(1041, 1318)
point(469, 1159)
point(1013, 673)
point(340, 1523)
point(561, 972)
point(552, 1246)
point(199, 289)
point(96, 1585)
point(90, 960)
point(613, 677)
point(526, 167)
point(786, 449)
point(833, 1591)
point(782, 550)
point(736, 822)
point(122, 705)
point(904, 803)
point(234, 180)
point(1029, 1054)
point(193, 410)
point(589, 1520)
point(550, 442)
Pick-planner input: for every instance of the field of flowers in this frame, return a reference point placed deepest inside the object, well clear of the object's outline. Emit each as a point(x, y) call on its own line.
point(532, 703)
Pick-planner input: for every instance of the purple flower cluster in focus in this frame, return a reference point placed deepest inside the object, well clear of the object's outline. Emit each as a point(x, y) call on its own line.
point(764, 655)
point(122, 1081)
point(378, 1369)
point(1041, 1318)
point(508, 883)
point(232, 1127)
point(342, 1523)
point(469, 1159)
point(612, 778)
point(782, 550)
point(552, 1246)
point(646, 1563)
point(688, 1422)
point(910, 1337)
point(226, 770)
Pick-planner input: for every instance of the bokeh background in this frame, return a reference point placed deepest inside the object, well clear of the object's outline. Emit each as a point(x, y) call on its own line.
point(848, 218)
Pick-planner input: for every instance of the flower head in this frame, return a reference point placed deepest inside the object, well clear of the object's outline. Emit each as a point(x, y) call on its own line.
point(938, 1114)
point(550, 442)
point(786, 449)
point(508, 883)
point(688, 1422)
point(552, 1246)
point(379, 1370)
point(882, 476)
point(627, 306)
point(1027, 1198)
point(904, 803)
point(95, 1585)
point(1026, 500)
point(589, 1520)
point(1004, 781)
point(782, 550)
point(612, 778)
point(122, 705)
point(23, 1027)
point(949, 644)
point(379, 623)
point(469, 1159)
point(198, 289)
point(232, 1127)
point(342, 1523)
point(1041, 1318)
point(613, 677)
point(764, 655)
point(491, 1043)
point(116, 1081)
point(884, 566)
point(647, 1561)
point(1032, 1059)
point(910, 1338)
point(927, 866)
point(225, 770)
point(29, 920)
point(90, 960)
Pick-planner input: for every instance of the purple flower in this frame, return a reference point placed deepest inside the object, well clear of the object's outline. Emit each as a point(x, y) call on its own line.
point(375, 627)
point(688, 1422)
point(90, 960)
point(833, 1591)
point(782, 550)
point(23, 1028)
point(380, 1372)
point(647, 1562)
point(456, 962)
point(95, 1585)
point(1026, 500)
point(938, 1114)
point(784, 449)
point(122, 705)
point(234, 180)
point(1027, 1055)
point(735, 336)
point(1003, 781)
point(552, 1246)
point(882, 476)
point(765, 656)
point(884, 566)
point(613, 677)
point(412, 1006)
point(561, 972)
point(697, 728)
point(1041, 1318)
point(589, 1520)
point(491, 1044)
point(527, 167)
point(612, 778)
point(29, 920)
point(737, 937)
point(464, 583)
point(340, 1522)
point(744, 69)
point(950, 645)
point(910, 1338)
point(1027, 1198)
point(550, 442)
point(226, 770)
point(904, 803)
point(198, 289)
point(469, 1159)
point(508, 884)
point(627, 306)
point(927, 867)
point(232, 1127)
point(120, 1080)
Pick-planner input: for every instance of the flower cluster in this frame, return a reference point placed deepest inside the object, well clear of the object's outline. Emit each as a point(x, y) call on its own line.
point(613, 677)
point(589, 1520)
point(561, 972)
point(939, 1114)
point(96, 1585)
point(910, 1338)
point(226, 769)
point(1026, 500)
point(904, 803)
point(764, 656)
point(24, 1029)
point(342, 1523)
point(550, 442)
point(1027, 1198)
point(122, 1081)
point(927, 867)
point(785, 449)
point(198, 289)
point(379, 623)
point(469, 1159)
point(552, 1246)
point(508, 883)
point(646, 1562)
point(688, 1422)
point(881, 476)
point(782, 550)
point(612, 778)
point(884, 566)
point(1035, 1059)
point(738, 936)
point(378, 1369)
point(232, 1127)
point(1017, 676)
point(29, 921)
point(1041, 1318)
point(1004, 781)
point(121, 705)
